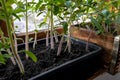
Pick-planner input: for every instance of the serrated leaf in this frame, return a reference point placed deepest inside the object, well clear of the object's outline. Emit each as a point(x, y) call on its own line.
point(31, 55)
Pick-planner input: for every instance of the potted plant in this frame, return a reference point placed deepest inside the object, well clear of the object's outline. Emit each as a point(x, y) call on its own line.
point(67, 62)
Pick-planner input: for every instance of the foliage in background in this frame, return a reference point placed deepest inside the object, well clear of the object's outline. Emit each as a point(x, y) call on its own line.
point(105, 18)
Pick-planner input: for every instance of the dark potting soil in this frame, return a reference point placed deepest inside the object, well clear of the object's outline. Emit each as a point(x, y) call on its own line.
point(47, 59)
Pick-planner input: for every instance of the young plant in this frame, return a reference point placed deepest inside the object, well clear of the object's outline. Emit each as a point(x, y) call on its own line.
point(5, 52)
point(47, 7)
point(72, 11)
point(105, 18)
point(8, 16)
point(3, 58)
point(67, 14)
point(5, 43)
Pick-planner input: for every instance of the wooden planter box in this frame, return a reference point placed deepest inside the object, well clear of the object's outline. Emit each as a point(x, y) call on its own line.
point(40, 34)
point(107, 42)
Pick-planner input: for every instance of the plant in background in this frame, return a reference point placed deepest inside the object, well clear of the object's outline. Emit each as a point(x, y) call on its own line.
point(72, 11)
point(47, 7)
point(105, 18)
point(34, 20)
point(25, 8)
point(28, 8)
point(66, 13)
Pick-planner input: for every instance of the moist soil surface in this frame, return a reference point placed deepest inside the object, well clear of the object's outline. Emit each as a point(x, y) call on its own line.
point(47, 59)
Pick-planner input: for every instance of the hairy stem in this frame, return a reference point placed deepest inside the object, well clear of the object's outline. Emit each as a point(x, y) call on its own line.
point(86, 48)
point(26, 36)
point(60, 46)
point(47, 38)
point(68, 40)
point(35, 40)
point(56, 38)
point(51, 26)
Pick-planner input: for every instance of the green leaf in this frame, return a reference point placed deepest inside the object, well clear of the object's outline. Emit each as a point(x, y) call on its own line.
point(61, 17)
point(105, 12)
point(2, 49)
point(42, 24)
point(99, 19)
point(115, 3)
point(6, 46)
point(1, 45)
point(39, 13)
point(31, 55)
point(7, 55)
point(18, 10)
point(37, 6)
point(59, 2)
point(36, 30)
point(117, 19)
point(56, 10)
point(65, 27)
point(98, 32)
point(10, 2)
point(15, 15)
point(96, 24)
point(68, 3)
point(2, 60)
point(30, 39)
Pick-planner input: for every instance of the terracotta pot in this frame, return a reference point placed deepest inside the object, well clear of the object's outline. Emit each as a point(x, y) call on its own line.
point(105, 41)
